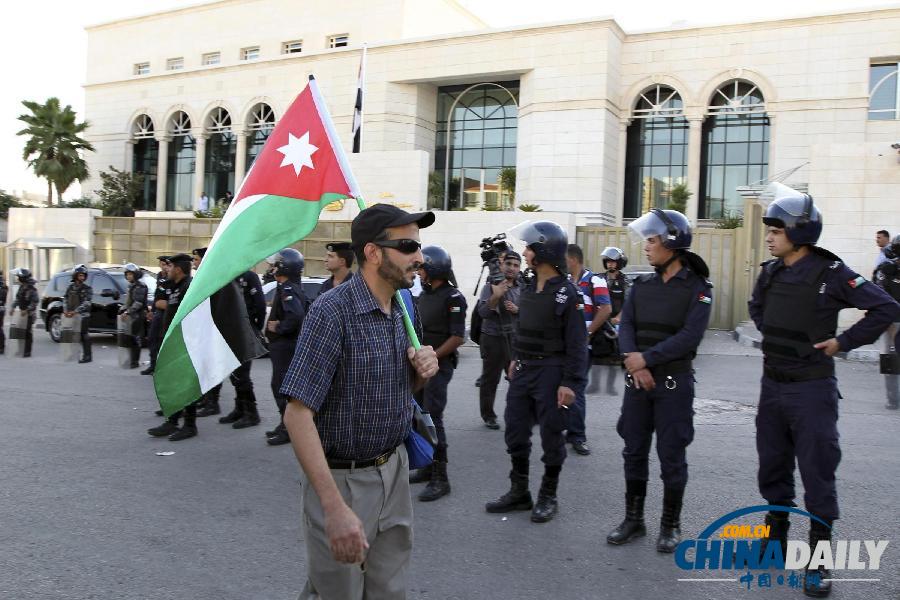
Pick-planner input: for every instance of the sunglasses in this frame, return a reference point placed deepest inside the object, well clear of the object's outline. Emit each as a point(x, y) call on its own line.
point(405, 246)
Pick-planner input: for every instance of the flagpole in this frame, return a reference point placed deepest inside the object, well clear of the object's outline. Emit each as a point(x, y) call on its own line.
point(362, 88)
point(357, 194)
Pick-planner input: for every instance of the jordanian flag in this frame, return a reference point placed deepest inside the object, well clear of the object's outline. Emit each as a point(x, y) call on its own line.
point(301, 169)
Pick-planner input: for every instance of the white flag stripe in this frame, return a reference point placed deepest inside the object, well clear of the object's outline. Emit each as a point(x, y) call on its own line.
point(231, 214)
point(210, 354)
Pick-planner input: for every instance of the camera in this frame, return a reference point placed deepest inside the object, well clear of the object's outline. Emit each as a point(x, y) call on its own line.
point(491, 250)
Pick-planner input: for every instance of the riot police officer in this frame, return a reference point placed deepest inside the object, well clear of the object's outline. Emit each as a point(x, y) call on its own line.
point(135, 307)
point(442, 310)
point(27, 300)
point(4, 294)
point(160, 297)
point(795, 304)
point(77, 299)
point(338, 260)
point(887, 277)
point(285, 320)
point(614, 262)
point(180, 278)
point(550, 349)
point(662, 323)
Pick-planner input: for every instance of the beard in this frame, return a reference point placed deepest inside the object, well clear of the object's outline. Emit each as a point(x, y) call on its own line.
point(395, 275)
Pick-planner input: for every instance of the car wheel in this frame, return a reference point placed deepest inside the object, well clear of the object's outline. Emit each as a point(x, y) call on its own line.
point(55, 327)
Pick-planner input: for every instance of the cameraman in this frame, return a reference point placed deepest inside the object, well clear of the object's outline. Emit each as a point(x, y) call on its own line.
point(498, 306)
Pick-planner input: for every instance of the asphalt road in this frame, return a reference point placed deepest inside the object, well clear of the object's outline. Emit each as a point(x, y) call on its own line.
point(88, 509)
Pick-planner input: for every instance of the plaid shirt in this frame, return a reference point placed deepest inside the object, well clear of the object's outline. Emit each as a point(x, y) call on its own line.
point(350, 368)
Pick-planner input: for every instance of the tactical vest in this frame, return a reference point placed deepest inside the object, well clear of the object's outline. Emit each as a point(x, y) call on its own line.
point(790, 323)
point(73, 297)
point(888, 278)
point(540, 329)
point(616, 289)
point(660, 311)
point(435, 316)
point(129, 295)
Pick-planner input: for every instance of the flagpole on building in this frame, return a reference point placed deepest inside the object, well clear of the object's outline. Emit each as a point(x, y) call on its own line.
point(357, 193)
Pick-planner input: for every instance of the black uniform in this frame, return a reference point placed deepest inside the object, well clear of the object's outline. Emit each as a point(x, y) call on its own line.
point(155, 335)
point(887, 277)
point(135, 307)
point(328, 284)
point(442, 312)
point(4, 294)
point(550, 349)
point(78, 299)
point(177, 292)
point(795, 307)
point(289, 309)
point(27, 299)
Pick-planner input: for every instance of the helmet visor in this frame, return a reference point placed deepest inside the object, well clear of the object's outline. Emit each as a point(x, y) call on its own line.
point(789, 200)
point(648, 226)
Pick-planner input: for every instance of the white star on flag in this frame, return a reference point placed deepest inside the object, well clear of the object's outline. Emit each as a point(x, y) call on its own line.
point(298, 152)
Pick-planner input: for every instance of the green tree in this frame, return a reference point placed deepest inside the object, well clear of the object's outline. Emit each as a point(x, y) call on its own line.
point(120, 192)
point(678, 197)
point(54, 148)
point(507, 180)
point(7, 201)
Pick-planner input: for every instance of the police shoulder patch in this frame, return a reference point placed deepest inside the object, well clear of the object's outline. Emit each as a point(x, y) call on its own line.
point(455, 309)
point(704, 298)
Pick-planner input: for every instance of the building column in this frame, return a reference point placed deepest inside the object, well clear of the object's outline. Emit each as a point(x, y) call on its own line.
point(162, 171)
point(695, 147)
point(240, 159)
point(199, 168)
point(620, 170)
point(128, 167)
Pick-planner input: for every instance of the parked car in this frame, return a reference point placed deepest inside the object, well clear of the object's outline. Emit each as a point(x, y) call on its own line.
point(109, 285)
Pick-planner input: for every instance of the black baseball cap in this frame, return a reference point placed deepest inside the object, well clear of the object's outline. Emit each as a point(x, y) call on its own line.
point(336, 246)
point(177, 258)
point(372, 221)
point(201, 252)
point(163, 258)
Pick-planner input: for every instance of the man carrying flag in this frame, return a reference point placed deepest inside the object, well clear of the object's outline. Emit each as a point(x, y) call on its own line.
point(350, 386)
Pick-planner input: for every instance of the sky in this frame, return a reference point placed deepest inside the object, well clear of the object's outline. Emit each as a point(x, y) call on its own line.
point(43, 45)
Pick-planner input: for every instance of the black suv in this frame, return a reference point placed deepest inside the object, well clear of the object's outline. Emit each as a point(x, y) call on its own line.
point(109, 285)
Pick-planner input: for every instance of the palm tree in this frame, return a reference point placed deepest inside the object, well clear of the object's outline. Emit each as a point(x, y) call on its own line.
point(54, 147)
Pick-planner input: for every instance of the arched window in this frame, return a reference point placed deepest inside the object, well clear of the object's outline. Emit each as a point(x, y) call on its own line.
point(259, 126)
point(656, 154)
point(735, 148)
point(221, 148)
point(181, 164)
point(145, 157)
point(484, 126)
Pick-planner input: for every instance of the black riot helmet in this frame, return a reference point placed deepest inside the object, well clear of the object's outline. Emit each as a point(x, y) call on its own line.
point(289, 263)
point(671, 226)
point(892, 250)
point(794, 212)
point(79, 269)
point(23, 275)
point(616, 254)
point(547, 240)
point(134, 270)
point(437, 263)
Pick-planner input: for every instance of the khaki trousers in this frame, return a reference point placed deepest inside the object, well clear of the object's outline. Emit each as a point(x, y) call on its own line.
point(380, 498)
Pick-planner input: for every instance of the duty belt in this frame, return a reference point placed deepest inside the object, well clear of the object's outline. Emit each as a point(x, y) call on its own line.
point(806, 374)
point(336, 463)
point(672, 368)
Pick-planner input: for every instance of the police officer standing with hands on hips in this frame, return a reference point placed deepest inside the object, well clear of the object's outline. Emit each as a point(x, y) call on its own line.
point(338, 260)
point(160, 297)
point(662, 323)
point(4, 294)
point(550, 351)
point(887, 277)
point(442, 310)
point(135, 307)
point(498, 307)
point(795, 304)
point(27, 300)
point(285, 320)
point(77, 299)
point(180, 278)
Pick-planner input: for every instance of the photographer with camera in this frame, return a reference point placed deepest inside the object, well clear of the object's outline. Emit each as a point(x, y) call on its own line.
point(498, 307)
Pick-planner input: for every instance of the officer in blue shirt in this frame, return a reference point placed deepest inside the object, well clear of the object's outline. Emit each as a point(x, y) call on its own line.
point(795, 304)
point(662, 323)
point(288, 311)
point(550, 351)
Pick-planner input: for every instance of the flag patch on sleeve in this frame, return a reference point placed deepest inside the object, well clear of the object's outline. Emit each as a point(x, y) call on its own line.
point(855, 283)
point(455, 309)
point(704, 299)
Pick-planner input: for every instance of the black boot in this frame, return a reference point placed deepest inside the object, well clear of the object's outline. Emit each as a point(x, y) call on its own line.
point(422, 475)
point(518, 497)
point(135, 357)
point(439, 486)
point(547, 506)
point(279, 437)
point(209, 404)
point(250, 416)
point(814, 580)
point(167, 428)
point(237, 412)
point(779, 524)
point(633, 526)
point(149, 370)
point(670, 523)
point(189, 426)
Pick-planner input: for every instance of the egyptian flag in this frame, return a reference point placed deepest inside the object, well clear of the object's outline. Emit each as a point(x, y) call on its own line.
point(301, 169)
point(358, 107)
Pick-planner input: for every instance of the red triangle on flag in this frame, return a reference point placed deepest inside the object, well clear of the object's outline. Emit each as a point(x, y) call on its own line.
point(298, 160)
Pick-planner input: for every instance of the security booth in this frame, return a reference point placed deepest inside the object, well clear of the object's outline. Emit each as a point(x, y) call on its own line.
point(42, 256)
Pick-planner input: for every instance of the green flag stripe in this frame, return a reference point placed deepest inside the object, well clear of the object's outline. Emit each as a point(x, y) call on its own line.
point(175, 380)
